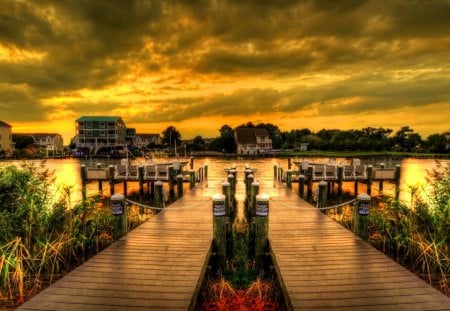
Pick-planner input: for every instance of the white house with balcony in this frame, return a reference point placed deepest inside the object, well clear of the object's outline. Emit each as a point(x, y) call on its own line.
point(100, 135)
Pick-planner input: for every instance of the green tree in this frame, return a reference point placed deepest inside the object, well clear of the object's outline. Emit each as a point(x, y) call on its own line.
point(22, 141)
point(198, 144)
point(171, 137)
point(227, 141)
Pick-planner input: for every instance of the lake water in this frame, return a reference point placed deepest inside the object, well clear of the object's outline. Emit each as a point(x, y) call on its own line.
point(413, 172)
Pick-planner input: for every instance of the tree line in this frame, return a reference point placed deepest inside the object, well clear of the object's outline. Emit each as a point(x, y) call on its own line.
point(366, 139)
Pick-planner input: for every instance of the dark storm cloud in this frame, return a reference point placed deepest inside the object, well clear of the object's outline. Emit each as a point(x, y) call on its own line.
point(17, 105)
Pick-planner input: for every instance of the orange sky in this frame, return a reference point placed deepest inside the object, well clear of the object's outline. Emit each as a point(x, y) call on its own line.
point(197, 66)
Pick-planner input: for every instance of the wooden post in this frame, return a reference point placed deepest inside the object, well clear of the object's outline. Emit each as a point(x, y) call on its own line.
point(219, 228)
point(369, 172)
point(159, 194)
point(356, 188)
point(100, 182)
point(206, 172)
point(247, 172)
point(253, 193)
point(281, 174)
point(191, 160)
point(289, 163)
point(141, 180)
point(200, 173)
point(380, 183)
point(261, 228)
point(248, 184)
point(171, 183)
point(226, 191)
point(397, 181)
point(111, 179)
point(322, 197)
point(152, 190)
point(118, 208)
point(125, 186)
point(309, 184)
point(180, 185)
point(301, 185)
point(191, 179)
point(83, 173)
point(232, 180)
point(275, 171)
point(362, 213)
point(289, 178)
point(340, 176)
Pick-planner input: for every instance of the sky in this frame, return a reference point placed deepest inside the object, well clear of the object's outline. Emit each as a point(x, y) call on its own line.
point(198, 65)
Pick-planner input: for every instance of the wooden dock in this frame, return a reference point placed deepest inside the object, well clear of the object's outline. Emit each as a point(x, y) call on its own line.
point(323, 266)
point(159, 265)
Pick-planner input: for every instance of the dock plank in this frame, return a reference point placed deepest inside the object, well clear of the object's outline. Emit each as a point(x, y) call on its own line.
point(322, 265)
point(157, 266)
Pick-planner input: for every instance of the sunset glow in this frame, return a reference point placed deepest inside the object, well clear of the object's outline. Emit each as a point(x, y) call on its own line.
point(197, 66)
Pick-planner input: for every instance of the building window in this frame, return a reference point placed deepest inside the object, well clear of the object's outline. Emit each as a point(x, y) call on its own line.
point(89, 125)
point(89, 133)
point(102, 133)
point(102, 125)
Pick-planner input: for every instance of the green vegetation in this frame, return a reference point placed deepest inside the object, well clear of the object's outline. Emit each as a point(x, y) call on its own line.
point(418, 236)
point(42, 238)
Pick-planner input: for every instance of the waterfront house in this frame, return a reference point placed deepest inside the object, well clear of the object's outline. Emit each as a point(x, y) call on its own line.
point(100, 135)
point(6, 145)
point(47, 141)
point(143, 140)
point(252, 141)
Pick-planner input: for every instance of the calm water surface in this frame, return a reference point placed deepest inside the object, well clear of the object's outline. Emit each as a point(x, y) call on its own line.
point(413, 172)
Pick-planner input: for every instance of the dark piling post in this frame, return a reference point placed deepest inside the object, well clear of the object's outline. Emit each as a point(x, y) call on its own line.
point(171, 183)
point(226, 191)
point(83, 172)
point(111, 170)
point(254, 191)
point(100, 182)
point(125, 187)
point(234, 172)
point(397, 181)
point(141, 180)
point(232, 180)
point(219, 228)
point(301, 185)
point(281, 174)
point(180, 185)
point(356, 188)
point(191, 178)
point(152, 189)
point(380, 183)
point(159, 194)
point(309, 182)
point(369, 172)
point(119, 212)
point(248, 185)
point(322, 199)
point(275, 172)
point(340, 176)
point(362, 213)
point(191, 163)
point(289, 163)
point(261, 227)
point(206, 172)
point(289, 178)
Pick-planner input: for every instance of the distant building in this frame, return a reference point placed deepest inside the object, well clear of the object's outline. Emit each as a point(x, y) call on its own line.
point(6, 144)
point(130, 136)
point(48, 141)
point(143, 140)
point(252, 141)
point(100, 135)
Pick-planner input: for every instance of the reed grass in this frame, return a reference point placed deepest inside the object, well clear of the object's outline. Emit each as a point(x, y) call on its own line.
point(42, 238)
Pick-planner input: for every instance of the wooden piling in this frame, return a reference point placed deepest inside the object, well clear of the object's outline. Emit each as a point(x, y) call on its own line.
point(159, 194)
point(248, 185)
point(322, 198)
point(118, 209)
point(179, 185)
point(275, 172)
point(261, 228)
point(232, 180)
point(289, 163)
point(380, 183)
point(111, 171)
point(100, 182)
point(171, 176)
point(141, 180)
point(369, 172)
point(361, 216)
point(254, 191)
point(83, 172)
point(309, 184)
point(340, 176)
point(219, 228)
point(289, 178)
point(301, 185)
point(191, 178)
point(206, 172)
point(191, 163)
point(397, 181)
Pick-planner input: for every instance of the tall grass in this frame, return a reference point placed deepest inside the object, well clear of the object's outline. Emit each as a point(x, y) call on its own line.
point(41, 238)
point(418, 236)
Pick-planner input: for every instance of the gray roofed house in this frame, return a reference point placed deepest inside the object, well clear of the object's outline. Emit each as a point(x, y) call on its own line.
point(252, 141)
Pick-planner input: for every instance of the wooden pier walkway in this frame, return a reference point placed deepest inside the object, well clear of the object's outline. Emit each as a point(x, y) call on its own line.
point(158, 266)
point(323, 266)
